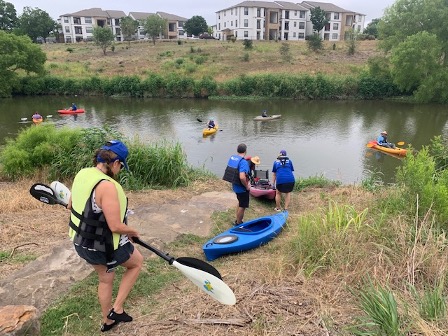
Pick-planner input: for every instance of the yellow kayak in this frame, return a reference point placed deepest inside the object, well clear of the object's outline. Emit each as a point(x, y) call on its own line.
point(208, 131)
point(396, 151)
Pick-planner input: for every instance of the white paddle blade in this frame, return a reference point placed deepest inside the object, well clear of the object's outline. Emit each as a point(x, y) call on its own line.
point(210, 284)
point(61, 192)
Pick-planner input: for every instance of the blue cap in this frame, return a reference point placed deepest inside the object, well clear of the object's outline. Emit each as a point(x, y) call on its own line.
point(283, 152)
point(118, 148)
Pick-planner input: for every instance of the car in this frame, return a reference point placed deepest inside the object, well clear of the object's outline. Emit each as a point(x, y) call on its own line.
point(206, 36)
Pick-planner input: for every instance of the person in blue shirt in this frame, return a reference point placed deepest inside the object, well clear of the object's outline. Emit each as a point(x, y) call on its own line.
point(283, 179)
point(74, 107)
point(211, 124)
point(37, 116)
point(382, 140)
point(237, 172)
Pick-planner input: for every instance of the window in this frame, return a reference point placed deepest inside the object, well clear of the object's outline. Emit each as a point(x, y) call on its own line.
point(287, 25)
point(246, 11)
point(294, 34)
point(246, 23)
point(334, 36)
point(301, 25)
point(219, 26)
point(236, 33)
point(301, 35)
point(302, 14)
point(117, 22)
point(258, 12)
point(225, 24)
point(117, 31)
point(286, 14)
point(236, 23)
point(78, 30)
point(231, 11)
point(336, 16)
point(246, 33)
point(89, 30)
point(295, 13)
point(258, 24)
point(335, 26)
point(359, 18)
point(88, 19)
point(231, 23)
point(295, 24)
point(180, 24)
point(77, 20)
point(67, 29)
point(181, 33)
point(65, 19)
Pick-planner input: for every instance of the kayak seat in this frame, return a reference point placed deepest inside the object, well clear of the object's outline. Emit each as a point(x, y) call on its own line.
point(262, 174)
point(241, 229)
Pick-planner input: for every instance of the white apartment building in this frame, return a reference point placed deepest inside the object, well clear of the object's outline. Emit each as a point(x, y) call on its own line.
point(78, 26)
point(282, 20)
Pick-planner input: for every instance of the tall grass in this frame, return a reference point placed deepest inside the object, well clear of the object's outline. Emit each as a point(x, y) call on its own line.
point(62, 152)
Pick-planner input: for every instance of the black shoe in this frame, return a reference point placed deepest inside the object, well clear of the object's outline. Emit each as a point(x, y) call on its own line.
point(107, 327)
point(123, 317)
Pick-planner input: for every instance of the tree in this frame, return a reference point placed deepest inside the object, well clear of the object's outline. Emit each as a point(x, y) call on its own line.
point(408, 17)
point(129, 27)
point(36, 23)
point(351, 39)
point(196, 25)
point(372, 28)
point(103, 37)
point(318, 19)
point(8, 16)
point(18, 53)
point(415, 60)
point(155, 26)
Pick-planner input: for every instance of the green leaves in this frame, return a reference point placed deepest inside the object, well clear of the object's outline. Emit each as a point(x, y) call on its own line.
point(103, 37)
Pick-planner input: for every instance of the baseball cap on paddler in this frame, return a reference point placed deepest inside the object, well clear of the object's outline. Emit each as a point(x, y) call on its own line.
point(118, 148)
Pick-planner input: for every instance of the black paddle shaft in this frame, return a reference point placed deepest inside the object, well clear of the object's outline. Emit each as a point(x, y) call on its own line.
point(153, 249)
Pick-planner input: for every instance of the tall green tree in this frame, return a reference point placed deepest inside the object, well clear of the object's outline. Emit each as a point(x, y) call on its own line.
point(18, 53)
point(129, 27)
point(408, 17)
point(8, 16)
point(103, 37)
point(155, 26)
point(372, 28)
point(196, 25)
point(35, 23)
point(414, 34)
point(318, 19)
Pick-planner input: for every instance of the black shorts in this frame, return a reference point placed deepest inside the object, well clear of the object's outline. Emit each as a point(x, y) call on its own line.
point(121, 255)
point(286, 187)
point(243, 199)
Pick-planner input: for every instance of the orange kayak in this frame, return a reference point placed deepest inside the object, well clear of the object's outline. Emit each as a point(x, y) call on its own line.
point(397, 151)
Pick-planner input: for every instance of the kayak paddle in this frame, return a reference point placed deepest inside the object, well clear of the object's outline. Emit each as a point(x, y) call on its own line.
point(202, 274)
point(400, 143)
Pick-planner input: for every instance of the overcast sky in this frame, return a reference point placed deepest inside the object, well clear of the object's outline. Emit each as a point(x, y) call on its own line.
point(186, 8)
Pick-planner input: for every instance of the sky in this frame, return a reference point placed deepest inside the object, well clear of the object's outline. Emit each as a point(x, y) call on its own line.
point(184, 8)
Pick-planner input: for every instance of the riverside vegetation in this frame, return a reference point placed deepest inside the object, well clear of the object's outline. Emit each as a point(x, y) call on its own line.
point(212, 69)
point(358, 260)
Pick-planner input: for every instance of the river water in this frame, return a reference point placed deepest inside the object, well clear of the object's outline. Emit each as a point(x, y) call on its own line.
point(325, 138)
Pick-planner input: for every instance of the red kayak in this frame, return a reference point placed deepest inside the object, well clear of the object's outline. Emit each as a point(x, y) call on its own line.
point(265, 191)
point(70, 111)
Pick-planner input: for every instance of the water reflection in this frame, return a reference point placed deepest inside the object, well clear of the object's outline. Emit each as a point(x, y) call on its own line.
point(321, 137)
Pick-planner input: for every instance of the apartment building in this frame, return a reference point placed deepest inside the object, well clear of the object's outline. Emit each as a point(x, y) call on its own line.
point(340, 21)
point(282, 20)
point(78, 26)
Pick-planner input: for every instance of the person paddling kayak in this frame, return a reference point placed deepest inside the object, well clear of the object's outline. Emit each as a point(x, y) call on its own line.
point(382, 140)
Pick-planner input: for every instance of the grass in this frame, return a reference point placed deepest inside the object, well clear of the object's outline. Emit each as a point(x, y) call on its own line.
point(218, 59)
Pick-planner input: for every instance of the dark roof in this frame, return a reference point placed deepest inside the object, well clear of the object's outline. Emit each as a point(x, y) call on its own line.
point(262, 4)
point(326, 6)
point(88, 12)
point(171, 17)
point(140, 15)
point(115, 14)
point(291, 5)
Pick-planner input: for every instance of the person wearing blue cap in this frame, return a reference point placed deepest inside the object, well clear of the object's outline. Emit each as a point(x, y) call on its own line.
point(99, 230)
point(283, 179)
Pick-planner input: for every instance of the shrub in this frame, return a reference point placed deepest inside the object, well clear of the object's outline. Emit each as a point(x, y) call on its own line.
point(248, 44)
point(314, 42)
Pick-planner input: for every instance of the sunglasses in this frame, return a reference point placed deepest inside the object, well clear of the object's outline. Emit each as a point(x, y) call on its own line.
point(121, 164)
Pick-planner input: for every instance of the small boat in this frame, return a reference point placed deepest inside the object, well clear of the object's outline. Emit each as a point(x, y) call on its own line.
point(272, 117)
point(261, 186)
point(246, 236)
point(262, 190)
point(38, 120)
point(397, 151)
point(208, 131)
point(71, 112)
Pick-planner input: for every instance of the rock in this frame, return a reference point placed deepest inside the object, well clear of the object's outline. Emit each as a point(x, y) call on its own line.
point(19, 320)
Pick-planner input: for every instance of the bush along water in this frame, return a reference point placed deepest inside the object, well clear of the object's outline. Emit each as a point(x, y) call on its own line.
point(362, 86)
point(61, 152)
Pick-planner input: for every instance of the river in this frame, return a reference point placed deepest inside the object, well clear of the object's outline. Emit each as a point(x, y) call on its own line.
point(322, 138)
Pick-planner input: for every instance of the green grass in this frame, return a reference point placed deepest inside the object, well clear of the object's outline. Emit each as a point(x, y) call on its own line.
point(318, 181)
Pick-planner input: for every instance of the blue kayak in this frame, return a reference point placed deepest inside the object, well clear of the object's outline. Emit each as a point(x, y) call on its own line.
point(245, 236)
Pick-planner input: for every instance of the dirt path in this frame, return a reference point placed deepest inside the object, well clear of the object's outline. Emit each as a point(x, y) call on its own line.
point(45, 279)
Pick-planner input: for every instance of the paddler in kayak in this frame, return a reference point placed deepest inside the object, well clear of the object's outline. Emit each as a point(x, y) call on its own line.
point(382, 140)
